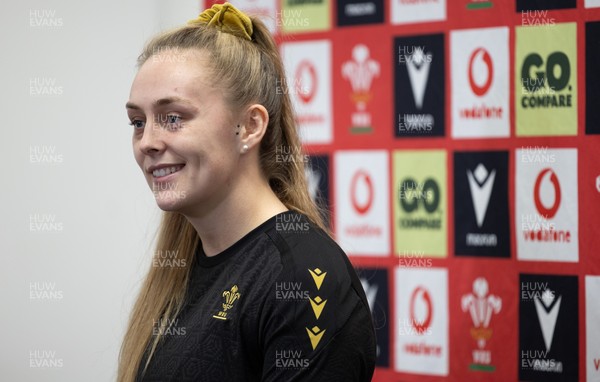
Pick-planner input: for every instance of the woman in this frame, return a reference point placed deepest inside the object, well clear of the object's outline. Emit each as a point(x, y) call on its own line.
point(246, 285)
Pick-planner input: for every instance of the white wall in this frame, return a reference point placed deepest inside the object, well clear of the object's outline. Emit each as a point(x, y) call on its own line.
point(97, 250)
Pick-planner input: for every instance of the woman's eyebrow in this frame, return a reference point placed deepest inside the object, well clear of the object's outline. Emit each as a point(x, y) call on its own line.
point(130, 105)
point(170, 100)
point(160, 102)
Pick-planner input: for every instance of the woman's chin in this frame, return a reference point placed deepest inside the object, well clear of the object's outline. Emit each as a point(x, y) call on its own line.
point(168, 207)
point(170, 203)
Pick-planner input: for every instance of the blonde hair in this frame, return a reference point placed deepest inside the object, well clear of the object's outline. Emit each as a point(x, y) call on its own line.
point(249, 72)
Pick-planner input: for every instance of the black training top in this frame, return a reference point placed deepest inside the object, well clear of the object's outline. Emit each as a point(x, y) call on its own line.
point(281, 304)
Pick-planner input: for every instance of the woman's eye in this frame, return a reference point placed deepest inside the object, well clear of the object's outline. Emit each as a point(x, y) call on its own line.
point(137, 124)
point(172, 121)
point(173, 118)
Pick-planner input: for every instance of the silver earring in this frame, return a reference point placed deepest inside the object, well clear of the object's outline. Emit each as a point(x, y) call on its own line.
point(245, 149)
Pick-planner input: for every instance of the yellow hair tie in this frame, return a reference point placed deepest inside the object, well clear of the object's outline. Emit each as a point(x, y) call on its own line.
point(228, 19)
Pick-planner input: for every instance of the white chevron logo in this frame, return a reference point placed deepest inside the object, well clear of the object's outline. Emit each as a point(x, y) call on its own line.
point(370, 291)
point(547, 317)
point(481, 184)
point(313, 177)
point(418, 64)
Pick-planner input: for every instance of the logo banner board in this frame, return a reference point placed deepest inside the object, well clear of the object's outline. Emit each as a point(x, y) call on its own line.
point(308, 80)
point(546, 80)
point(420, 202)
point(548, 328)
point(481, 204)
point(419, 84)
point(480, 83)
point(546, 223)
point(375, 284)
point(421, 315)
point(362, 202)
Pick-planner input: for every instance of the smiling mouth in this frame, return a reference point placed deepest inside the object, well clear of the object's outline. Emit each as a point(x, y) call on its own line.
point(166, 171)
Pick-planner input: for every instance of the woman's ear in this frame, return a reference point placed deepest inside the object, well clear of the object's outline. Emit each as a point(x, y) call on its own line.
point(255, 122)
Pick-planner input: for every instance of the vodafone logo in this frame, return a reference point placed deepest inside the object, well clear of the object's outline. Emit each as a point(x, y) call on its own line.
point(549, 222)
point(361, 184)
point(421, 309)
point(362, 194)
point(547, 212)
point(422, 335)
point(478, 57)
point(480, 71)
point(306, 78)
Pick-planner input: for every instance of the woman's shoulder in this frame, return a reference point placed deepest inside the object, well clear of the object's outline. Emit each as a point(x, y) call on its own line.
point(309, 256)
point(302, 244)
point(318, 301)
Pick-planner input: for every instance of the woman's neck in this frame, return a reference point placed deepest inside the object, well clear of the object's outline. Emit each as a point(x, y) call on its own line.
point(242, 211)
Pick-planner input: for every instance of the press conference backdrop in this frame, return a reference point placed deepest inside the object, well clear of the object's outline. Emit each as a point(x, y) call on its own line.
point(456, 144)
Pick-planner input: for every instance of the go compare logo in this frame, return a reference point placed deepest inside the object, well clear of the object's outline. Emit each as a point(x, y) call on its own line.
point(420, 202)
point(413, 195)
point(542, 89)
point(546, 80)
